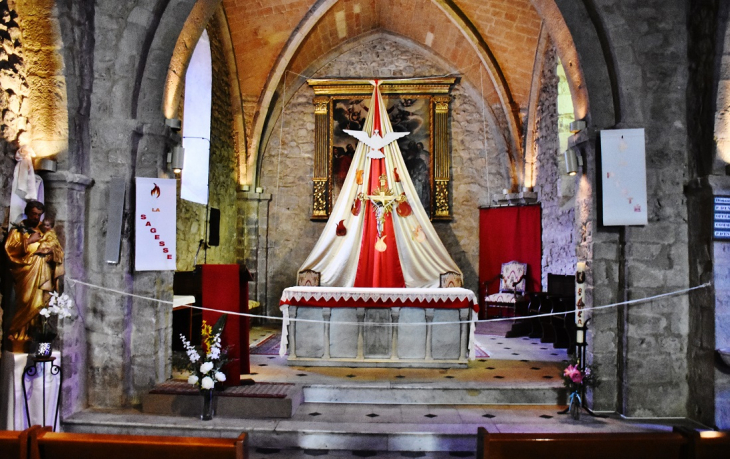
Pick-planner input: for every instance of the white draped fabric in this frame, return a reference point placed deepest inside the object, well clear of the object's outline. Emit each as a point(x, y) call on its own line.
point(336, 257)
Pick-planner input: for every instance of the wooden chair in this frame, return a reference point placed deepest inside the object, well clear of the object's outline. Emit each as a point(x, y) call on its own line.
point(308, 278)
point(61, 445)
point(512, 283)
point(594, 445)
point(451, 279)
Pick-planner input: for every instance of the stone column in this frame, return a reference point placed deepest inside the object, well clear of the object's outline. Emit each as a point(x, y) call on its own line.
point(253, 240)
point(326, 314)
point(429, 332)
point(65, 196)
point(394, 316)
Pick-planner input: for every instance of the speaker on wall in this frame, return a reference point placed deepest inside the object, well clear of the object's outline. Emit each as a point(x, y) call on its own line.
point(214, 227)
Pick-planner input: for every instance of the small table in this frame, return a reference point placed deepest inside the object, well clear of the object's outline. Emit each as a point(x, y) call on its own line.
point(21, 379)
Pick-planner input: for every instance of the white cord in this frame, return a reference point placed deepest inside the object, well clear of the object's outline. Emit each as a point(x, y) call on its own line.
point(390, 324)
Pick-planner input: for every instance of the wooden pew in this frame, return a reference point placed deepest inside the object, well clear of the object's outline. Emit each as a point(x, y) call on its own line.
point(623, 445)
point(61, 445)
point(14, 444)
point(707, 444)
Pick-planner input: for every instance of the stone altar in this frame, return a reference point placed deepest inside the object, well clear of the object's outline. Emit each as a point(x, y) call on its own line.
point(378, 327)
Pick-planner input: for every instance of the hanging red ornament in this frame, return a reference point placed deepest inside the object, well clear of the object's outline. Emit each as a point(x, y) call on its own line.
point(341, 230)
point(356, 206)
point(397, 176)
point(404, 209)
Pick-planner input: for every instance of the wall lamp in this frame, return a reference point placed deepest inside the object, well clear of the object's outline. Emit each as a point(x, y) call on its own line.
point(173, 123)
point(176, 158)
point(573, 160)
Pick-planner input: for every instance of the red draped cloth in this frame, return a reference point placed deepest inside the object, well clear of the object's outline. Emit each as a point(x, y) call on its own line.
point(506, 234)
point(374, 268)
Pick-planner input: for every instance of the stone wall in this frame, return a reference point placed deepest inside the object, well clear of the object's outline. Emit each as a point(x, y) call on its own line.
point(286, 170)
point(649, 49)
point(554, 188)
point(191, 222)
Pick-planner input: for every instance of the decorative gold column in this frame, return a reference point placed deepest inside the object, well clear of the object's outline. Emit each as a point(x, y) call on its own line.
point(320, 202)
point(441, 159)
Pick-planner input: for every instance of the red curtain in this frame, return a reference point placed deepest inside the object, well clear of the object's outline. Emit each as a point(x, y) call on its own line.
point(505, 234)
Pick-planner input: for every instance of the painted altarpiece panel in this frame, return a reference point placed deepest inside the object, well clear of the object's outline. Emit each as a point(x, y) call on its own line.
point(420, 107)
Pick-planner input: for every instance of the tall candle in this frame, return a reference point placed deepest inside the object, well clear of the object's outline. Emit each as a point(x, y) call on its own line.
point(580, 278)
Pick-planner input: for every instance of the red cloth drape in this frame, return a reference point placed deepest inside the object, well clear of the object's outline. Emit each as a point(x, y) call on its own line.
point(506, 234)
point(221, 288)
point(378, 269)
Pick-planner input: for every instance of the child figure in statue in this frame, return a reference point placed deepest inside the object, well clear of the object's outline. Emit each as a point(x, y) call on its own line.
point(50, 248)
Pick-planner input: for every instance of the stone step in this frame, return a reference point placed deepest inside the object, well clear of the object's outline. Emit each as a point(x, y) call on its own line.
point(262, 400)
point(419, 394)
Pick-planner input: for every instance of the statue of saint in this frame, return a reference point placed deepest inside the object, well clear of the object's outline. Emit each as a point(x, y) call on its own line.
point(36, 263)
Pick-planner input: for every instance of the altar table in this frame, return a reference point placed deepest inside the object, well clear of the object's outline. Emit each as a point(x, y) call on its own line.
point(378, 327)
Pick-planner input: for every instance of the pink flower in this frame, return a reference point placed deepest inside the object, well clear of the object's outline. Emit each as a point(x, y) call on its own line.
point(574, 374)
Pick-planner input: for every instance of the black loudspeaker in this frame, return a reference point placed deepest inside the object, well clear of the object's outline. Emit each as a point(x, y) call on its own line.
point(214, 227)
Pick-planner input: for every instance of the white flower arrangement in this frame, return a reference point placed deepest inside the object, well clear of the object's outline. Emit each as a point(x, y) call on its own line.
point(58, 305)
point(207, 373)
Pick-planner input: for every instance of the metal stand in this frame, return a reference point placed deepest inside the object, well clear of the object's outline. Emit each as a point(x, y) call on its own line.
point(580, 352)
point(31, 372)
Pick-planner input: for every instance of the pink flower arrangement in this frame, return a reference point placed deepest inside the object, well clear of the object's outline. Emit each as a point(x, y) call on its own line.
point(574, 374)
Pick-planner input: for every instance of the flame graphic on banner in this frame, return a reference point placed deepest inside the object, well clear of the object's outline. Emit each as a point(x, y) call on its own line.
point(155, 191)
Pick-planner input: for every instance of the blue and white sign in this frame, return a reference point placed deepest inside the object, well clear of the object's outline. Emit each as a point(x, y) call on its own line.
point(721, 218)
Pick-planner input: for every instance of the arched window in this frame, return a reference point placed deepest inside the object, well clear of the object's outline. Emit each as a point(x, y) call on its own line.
point(196, 123)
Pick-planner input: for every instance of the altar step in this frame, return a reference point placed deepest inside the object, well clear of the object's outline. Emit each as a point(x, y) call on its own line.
point(434, 394)
point(272, 400)
point(362, 430)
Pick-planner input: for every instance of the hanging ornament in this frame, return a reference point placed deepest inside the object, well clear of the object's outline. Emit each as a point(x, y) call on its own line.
point(404, 209)
point(359, 176)
point(418, 234)
point(380, 245)
point(397, 176)
point(341, 230)
point(357, 205)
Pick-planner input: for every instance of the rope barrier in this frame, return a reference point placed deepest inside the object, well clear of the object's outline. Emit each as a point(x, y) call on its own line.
point(390, 324)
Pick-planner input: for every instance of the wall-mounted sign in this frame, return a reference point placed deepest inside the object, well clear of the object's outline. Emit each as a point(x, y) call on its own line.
point(623, 167)
point(721, 218)
point(155, 225)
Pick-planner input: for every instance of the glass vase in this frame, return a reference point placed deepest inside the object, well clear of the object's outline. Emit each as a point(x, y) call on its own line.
point(208, 408)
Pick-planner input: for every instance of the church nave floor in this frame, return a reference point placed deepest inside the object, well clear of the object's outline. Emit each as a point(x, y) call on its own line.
point(388, 412)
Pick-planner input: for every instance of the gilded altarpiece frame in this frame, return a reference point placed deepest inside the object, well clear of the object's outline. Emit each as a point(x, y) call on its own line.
point(419, 106)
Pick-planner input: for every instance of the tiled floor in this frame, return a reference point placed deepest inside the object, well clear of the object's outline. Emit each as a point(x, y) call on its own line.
point(511, 362)
point(372, 429)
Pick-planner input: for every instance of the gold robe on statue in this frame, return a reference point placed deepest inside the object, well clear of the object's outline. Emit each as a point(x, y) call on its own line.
point(33, 277)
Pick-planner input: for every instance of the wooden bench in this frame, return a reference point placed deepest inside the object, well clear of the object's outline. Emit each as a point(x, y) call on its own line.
point(648, 445)
point(708, 444)
point(61, 445)
point(14, 444)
